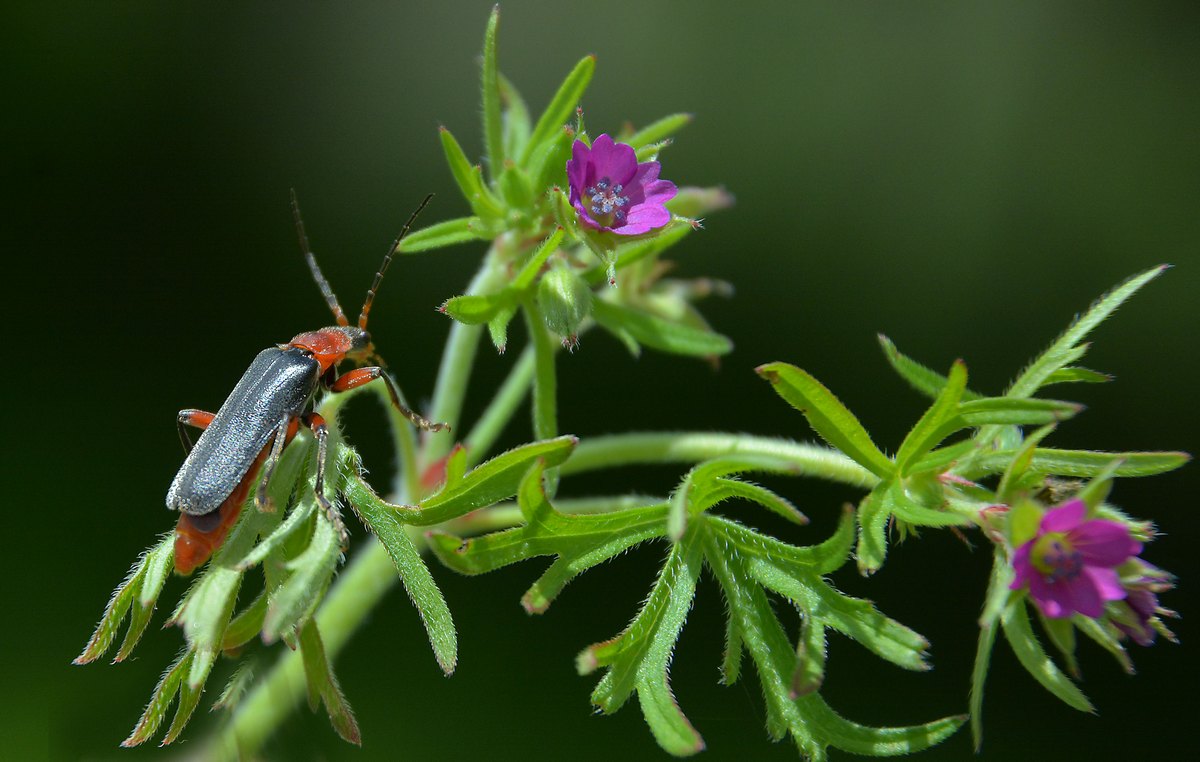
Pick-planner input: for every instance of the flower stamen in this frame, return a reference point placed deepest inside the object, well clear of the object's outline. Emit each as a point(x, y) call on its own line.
point(606, 199)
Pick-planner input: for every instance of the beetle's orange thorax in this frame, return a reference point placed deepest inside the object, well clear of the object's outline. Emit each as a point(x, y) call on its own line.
point(328, 345)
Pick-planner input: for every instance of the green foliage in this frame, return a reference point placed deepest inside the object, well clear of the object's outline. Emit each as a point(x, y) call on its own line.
point(970, 461)
point(747, 564)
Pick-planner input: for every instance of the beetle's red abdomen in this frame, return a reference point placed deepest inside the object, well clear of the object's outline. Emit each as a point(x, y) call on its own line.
point(197, 537)
point(193, 545)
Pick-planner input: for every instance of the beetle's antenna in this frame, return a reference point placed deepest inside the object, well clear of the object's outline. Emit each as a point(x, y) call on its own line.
point(318, 276)
point(387, 260)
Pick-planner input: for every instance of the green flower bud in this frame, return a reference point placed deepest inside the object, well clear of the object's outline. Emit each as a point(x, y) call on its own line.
point(565, 300)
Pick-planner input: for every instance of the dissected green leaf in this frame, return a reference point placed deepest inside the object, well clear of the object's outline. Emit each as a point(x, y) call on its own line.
point(160, 700)
point(658, 130)
point(240, 682)
point(155, 569)
point(579, 541)
point(246, 625)
point(827, 415)
point(1075, 375)
point(493, 133)
point(288, 529)
point(811, 723)
point(323, 684)
point(515, 186)
point(122, 598)
point(1062, 634)
point(517, 125)
point(754, 493)
point(1014, 477)
point(486, 484)
point(638, 659)
point(548, 163)
point(476, 192)
point(498, 328)
point(930, 429)
point(995, 601)
point(872, 538)
point(925, 380)
point(1066, 348)
point(300, 593)
point(650, 151)
point(693, 202)
point(1033, 657)
point(190, 690)
point(1085, 462)
point(659, 333)
point(422, 590)
point(707, 484)
point(797, 574)
point(561, 106)
point(1106, 638)
point(447, 233)
point(473, 309)
point(810, 658)
point(898, 503)
point(529, 271)
point(1016, 411)
point(731, 663)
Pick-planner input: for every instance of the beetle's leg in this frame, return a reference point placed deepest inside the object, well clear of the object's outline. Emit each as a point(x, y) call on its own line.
point(283, 434)
point(316, 424)
point(360, 376)
point(196, 418)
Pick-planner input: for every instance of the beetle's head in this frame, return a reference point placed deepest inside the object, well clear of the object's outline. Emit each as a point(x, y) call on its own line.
point(361, 348)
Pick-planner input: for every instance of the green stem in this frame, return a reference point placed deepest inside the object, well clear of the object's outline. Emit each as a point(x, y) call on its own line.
point(459, 357)
point(500, 411)
point(545, 383)
point(690, 447)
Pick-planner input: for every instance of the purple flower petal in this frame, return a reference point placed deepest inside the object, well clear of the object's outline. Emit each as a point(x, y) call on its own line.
point(611, 191)
point(577, 168)
point(1079, 593)
point(1104, 543)
point(1023, 568)
point(647, 172)
point(1050, 598)
point(1065, 517)
point(1106, 583)
point(616, 161)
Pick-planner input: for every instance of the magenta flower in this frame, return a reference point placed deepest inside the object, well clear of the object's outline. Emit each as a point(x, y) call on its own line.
point(1138, 619)
point(612, 192)
point(1069, 566)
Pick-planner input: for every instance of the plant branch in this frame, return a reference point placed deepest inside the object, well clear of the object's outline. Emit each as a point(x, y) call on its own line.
point(459, 357)
point(500, 410)
point(690, 447)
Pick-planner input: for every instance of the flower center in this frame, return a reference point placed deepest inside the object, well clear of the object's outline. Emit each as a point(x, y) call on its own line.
point(607, 203)
point(1056, 558)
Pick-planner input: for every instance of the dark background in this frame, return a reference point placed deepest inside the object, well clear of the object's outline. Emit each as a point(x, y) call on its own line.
point(965, 177)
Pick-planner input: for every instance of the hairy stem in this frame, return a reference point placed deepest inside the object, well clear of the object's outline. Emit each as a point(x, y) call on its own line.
point(545, 384)
point(500, 411)
point(690, 447)
point(459, 357)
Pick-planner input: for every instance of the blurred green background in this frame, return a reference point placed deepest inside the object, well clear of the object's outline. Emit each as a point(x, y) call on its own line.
point(962, 176)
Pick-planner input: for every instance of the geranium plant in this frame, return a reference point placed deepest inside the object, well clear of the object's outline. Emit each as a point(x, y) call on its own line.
point(579, 228)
